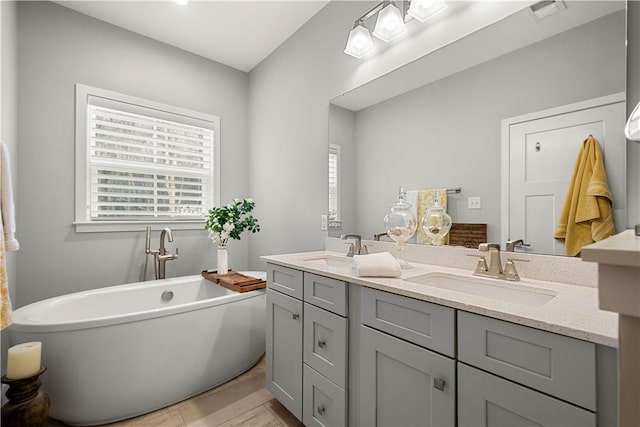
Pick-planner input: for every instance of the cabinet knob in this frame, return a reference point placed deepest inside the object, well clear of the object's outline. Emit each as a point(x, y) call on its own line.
point(320, 410)
point(295, 316)
point(438, 384)
point(322, 343)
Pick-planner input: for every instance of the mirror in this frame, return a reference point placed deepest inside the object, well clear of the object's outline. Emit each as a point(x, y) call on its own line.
point(443, 129)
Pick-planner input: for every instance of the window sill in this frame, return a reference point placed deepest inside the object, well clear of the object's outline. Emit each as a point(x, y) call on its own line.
point(124, 226)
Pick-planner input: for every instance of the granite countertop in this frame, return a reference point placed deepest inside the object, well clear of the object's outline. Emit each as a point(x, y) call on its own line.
point(572, 312)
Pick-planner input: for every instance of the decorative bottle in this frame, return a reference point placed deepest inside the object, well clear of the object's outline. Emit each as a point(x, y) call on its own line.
point(400, 225)
point(436, 223)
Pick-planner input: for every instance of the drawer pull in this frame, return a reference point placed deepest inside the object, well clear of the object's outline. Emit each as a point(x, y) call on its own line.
point(295, 316)
point(320, 410)
point(322, 343)
point(438, 384)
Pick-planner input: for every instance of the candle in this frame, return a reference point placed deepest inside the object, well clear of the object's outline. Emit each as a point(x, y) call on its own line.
point(24, 360)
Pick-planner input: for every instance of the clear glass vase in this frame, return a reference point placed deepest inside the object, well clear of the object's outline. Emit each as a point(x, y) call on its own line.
point(222, 265)
point(400, 225)
point(436, 223)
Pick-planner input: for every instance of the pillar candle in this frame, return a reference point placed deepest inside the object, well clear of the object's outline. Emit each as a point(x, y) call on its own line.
point(24, 360)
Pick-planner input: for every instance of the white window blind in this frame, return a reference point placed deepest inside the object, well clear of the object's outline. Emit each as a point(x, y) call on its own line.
point(146, 161)
point(334, 182)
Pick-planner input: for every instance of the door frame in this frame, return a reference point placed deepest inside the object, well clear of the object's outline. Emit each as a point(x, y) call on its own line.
point(542, 114)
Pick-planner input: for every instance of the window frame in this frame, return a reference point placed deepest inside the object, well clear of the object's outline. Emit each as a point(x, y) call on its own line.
point(335, 149)
point(83, 222)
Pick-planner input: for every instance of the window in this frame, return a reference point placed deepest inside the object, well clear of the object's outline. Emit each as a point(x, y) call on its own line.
point(140, 161)
point(334, 183)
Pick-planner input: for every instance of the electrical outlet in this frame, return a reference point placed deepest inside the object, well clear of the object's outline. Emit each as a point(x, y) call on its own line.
point(323, 223)
point(473, 203)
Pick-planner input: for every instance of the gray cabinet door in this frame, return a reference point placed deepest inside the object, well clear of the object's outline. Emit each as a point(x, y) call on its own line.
point(485, 400)
point(284, 350)
point(402, 384)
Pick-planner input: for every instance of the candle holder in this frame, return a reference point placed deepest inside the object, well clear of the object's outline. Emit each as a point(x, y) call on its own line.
point(27, 405)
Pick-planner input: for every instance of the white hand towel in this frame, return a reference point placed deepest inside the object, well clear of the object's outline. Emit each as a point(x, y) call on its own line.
point(382, 264)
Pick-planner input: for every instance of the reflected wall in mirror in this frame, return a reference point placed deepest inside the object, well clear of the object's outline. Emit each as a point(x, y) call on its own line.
point(446, 133)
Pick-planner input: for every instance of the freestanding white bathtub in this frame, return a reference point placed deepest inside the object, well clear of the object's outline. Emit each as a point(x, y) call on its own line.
point(117, 352)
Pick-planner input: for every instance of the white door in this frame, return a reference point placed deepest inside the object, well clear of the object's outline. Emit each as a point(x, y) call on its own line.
point(543, 150)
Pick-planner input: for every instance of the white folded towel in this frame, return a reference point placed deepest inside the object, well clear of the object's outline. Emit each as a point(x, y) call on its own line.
point(381, 264)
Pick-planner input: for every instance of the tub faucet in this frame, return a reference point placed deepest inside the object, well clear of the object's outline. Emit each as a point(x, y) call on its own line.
point(162, 256)
point(513, 244)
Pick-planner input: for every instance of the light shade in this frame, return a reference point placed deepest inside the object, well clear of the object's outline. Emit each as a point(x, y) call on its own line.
point(390, 23)
point(632, 129)
point(359, 42)
point(425, 9)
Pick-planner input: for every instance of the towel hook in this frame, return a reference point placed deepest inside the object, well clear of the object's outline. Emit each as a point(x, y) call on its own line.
point(537, 146)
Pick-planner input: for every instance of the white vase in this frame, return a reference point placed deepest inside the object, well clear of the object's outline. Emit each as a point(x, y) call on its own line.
point(222, 265)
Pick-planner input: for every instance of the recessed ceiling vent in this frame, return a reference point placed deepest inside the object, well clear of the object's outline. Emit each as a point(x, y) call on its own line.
point(546, 8)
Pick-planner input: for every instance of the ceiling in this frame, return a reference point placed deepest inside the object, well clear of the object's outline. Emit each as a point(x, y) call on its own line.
point(237, 33)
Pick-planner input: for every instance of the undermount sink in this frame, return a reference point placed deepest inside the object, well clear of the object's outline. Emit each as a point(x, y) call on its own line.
point(488, 288)
point(331, 261)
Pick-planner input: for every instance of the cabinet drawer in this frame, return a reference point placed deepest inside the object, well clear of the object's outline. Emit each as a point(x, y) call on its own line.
point(325, 404)
point(285, 280)
point(554, 364)
point(325, 343)
point(486, 400)
point(330, 294)
point(419, 322)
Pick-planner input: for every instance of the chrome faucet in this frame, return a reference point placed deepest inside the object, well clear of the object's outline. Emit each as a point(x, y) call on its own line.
point(355, 248)
point(162, 256)
point(513, 244)
point(377, 236)
point(494, 268)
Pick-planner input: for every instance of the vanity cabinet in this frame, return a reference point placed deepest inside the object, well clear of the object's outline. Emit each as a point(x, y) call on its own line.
point(512, 375)
point(307, 342)
point(402, 380)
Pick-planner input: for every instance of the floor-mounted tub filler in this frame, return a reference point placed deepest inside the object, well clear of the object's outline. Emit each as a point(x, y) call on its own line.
point(121, 351)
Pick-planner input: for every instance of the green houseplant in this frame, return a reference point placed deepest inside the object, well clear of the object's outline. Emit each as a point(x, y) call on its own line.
point(228, 222)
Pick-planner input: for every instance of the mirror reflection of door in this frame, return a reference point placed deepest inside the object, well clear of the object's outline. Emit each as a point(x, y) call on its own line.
point(543, 149)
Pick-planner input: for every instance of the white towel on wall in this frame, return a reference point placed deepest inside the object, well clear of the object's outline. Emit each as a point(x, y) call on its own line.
point(7, 208)
point(381, 264)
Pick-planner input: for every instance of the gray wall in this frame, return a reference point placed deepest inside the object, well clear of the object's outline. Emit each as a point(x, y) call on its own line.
point(447, 134)
point(342, 132)
point(57, 48)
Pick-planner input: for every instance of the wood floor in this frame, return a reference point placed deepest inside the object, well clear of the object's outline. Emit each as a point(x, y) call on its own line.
point(243, 401)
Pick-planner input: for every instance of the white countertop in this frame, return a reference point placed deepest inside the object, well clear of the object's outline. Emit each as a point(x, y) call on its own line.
point(621, 249)
point(572, 312)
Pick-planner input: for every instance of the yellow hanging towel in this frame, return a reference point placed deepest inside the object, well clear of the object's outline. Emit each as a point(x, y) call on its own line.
point(586, 214)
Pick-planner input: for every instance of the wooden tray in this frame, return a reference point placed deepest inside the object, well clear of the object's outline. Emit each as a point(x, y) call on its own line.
point(235, 281)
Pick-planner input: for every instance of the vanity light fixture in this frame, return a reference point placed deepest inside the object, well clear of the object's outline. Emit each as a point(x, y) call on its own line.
point(425, 9)
point(390, 22)
point(360, 42)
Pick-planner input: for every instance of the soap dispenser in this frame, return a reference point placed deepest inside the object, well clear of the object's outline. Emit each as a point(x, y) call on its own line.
point(436, 223)
point(400, 225)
